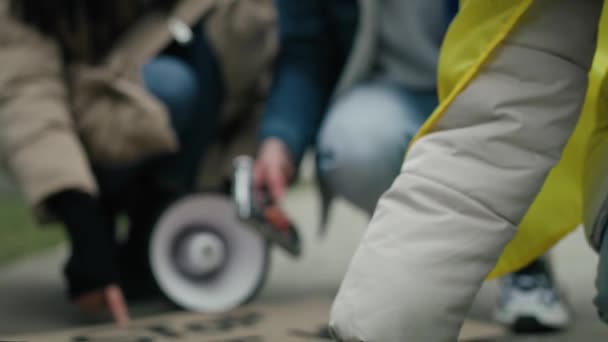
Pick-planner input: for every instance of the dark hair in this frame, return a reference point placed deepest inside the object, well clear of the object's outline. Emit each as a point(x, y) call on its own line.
point(91, 26)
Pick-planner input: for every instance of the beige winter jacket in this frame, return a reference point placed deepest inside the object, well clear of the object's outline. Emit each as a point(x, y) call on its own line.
point(55, 118)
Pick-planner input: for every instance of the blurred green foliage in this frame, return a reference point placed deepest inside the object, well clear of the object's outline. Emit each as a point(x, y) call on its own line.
point(19, 234)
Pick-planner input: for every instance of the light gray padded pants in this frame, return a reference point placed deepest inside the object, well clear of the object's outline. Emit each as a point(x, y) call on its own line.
point(463, 189)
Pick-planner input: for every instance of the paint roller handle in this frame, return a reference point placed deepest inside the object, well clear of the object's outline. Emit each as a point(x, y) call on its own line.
point(256, 205)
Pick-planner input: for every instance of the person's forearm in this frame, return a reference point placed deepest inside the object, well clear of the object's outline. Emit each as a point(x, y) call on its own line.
point(295, 110)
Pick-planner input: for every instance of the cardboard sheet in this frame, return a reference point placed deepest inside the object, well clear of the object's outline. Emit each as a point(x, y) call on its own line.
point(286, 322)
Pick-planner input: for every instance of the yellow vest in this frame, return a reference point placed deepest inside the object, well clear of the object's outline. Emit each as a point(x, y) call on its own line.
point(477, 31)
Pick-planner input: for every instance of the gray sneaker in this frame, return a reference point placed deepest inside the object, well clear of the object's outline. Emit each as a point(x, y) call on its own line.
point(529, 303)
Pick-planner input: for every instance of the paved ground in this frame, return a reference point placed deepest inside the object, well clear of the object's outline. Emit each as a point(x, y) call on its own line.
point(31, 298)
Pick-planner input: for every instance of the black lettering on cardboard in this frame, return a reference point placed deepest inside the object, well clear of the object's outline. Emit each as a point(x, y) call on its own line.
point(164, 331)
point(244, 339)
point(133, 334)
point(322, 334)
point(204, 328)
point(225, 324)
point(251, 319)
point(111, 339)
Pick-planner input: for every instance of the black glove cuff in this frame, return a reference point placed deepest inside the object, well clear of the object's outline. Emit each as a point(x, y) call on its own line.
point(93, 262)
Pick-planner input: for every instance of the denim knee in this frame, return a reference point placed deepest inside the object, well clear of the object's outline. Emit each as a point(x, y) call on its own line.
point(174, 82)
point(601, 301)
point(363, 140)
point(356, 167)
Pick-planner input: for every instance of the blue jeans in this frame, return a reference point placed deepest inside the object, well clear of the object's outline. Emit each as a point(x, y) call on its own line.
point(364, 138)
point(187, 79)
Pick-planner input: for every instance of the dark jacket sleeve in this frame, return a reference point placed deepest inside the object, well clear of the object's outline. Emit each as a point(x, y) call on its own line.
point(305, 75)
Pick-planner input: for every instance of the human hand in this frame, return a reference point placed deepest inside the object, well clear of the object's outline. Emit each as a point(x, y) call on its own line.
point(109, 299)
point(273, 168)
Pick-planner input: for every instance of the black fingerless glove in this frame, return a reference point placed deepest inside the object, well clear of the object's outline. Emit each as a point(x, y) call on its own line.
point(93, 263)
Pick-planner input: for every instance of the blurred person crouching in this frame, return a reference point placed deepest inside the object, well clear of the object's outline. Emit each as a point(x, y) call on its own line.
point(108, 108)
point(356, 79)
